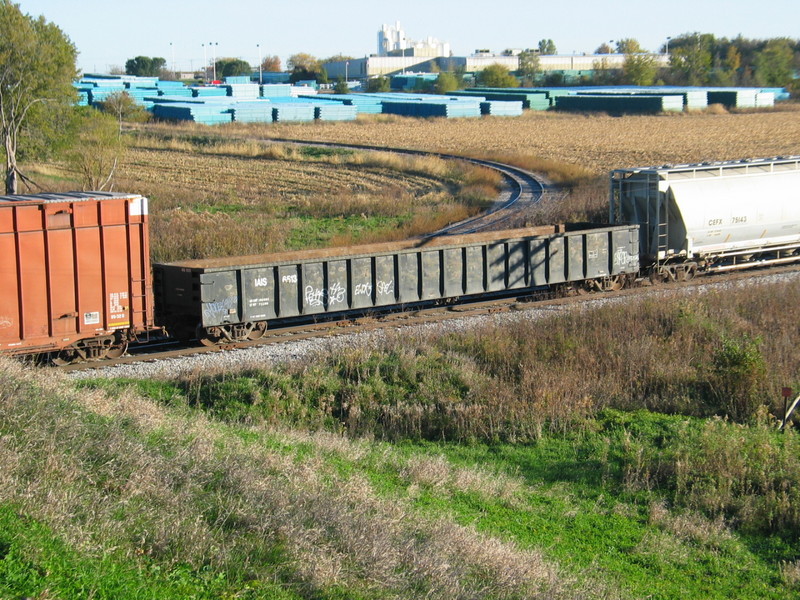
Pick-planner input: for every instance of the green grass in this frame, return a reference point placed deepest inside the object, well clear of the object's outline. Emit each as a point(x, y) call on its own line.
point(36, 563)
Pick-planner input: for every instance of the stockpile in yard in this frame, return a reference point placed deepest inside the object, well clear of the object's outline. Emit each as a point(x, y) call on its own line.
point(625, 104)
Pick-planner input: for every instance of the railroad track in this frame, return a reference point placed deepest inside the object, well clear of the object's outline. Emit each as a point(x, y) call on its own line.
point(415, 317)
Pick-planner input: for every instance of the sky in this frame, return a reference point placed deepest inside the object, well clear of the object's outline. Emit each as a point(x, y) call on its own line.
point(187, 33)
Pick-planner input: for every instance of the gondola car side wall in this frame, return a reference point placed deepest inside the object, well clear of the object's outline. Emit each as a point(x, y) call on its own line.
point(73, 267)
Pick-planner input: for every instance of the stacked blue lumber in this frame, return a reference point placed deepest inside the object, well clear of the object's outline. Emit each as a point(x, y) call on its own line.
point(83, 97)
point(334, 111)
point(141, 82)
point(208, 114)
point(765, 99)
point(292, 111)
point(276, 90)
point(173, 88)
point(237, 79)
point(141, 95)
point(436, 108)
point(303, 90)
point(781, 94)
point(531, 100)
point(624, 104)
point(208, 90)
point(242, 90)
point(501, 108)
point(733, 97)
point(364, 103)
point(255, 111)
point(693, 98)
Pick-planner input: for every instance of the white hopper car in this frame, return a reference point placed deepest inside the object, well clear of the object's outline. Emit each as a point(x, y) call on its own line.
point(711, 216)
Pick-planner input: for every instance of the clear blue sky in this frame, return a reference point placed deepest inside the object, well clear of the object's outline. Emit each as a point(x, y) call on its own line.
point(108, 32)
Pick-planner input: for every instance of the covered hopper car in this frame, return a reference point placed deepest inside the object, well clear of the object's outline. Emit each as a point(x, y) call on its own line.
point(233, 299)
point(74, 274)
point(711, 216)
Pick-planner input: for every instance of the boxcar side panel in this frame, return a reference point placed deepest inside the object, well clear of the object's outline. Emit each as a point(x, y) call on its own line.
point(386, 280)
point(408, 273)
point(432, 287)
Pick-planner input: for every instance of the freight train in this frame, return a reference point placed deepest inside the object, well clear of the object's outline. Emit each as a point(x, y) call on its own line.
point(75, 279)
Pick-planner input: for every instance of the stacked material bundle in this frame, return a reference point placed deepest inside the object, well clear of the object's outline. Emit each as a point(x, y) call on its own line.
point(208, 114)
point(141, 95)
point(334, 111)
point(501, 108)
point(781, 94)
point(208, 90)
point(439, 108)
point(276, 90)
point(173, 88)
point(364, 103)
point(693, 98)
point(242, 90)
point(625, 104)
point(292, 111)
point(530, 100)
point(733, 97)
point(256, 111)
point(303, 90)
point(237, 79)
point(765, 99)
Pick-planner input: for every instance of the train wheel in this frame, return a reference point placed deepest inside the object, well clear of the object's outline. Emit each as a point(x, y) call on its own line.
point(210, 336)
point(258, 330)
point(116, 351)
point(65, 357)
point(613, 284)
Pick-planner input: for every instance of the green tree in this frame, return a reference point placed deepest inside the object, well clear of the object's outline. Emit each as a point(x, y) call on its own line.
point(604, 49)
point(341, 86)
point(336, 58)
point(691, 58)
point(547, 47)
point(378, 85)
point(232, 67)
point(497, 75)
point(145, 66)
point(529, 66)
point(305, 67)
point(122, 107)
point(773, 65)
point(629, 46)
point(37, 67)
point(639, 69)
point(271, 64)
point(445, 83)
point(98, 148)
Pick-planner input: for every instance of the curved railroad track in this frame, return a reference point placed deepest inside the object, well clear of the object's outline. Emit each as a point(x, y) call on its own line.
point(524, 189)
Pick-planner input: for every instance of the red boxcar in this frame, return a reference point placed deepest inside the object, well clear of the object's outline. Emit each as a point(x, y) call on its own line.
point(74, 274)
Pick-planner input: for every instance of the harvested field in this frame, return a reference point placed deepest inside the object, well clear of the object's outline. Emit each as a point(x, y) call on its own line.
point(598, 142)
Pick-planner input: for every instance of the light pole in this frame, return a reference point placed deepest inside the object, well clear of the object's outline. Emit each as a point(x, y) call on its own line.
point(259, 64)
point(214, 57)
point(205, 64)
point(346, 65)
point(172, 48)
point(667, 45)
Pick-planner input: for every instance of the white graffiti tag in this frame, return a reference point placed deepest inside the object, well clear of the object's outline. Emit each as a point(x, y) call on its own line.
point(385, 287)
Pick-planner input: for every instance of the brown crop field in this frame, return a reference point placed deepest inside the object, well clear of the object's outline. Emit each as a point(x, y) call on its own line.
point(597, 142)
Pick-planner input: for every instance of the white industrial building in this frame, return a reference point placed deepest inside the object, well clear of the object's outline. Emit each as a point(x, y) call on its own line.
point(375, 66)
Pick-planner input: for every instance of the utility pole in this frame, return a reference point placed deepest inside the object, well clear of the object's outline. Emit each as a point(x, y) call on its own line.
point(260, 78)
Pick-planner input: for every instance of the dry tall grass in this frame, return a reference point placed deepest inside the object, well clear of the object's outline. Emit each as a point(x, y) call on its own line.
point(160, 486)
